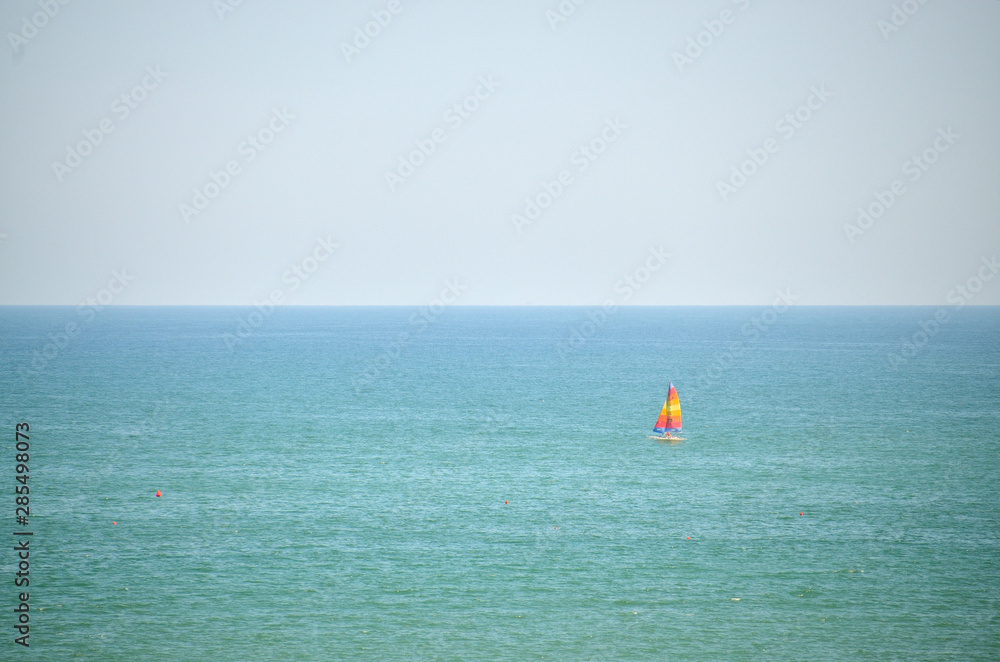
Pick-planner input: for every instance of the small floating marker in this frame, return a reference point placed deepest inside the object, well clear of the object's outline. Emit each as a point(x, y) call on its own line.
point(115, 523)
point(505, 503)
point(158, 493)
point(800, 514)
point(689, 537)
point(557, 527)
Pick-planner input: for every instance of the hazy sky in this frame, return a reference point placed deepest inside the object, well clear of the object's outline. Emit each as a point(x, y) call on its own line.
point(644, 125)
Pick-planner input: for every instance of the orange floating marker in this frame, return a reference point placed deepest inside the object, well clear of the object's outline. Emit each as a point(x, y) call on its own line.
point(800, 514)
point(505, 503)
point(689, 537)
point(158, 493)
point(115, 523)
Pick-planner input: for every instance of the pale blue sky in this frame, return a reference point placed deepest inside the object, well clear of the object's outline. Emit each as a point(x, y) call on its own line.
point(679, 133)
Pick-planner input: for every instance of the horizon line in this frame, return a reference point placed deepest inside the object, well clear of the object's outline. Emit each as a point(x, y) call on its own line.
point(497, 305)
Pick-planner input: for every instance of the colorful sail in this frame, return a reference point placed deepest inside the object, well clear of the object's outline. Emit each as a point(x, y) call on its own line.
point(670, 416)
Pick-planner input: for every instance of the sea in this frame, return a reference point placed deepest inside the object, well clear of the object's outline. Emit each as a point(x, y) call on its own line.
point(478, 483)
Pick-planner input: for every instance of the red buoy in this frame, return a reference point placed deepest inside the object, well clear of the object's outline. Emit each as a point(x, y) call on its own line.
point(158, 493)
point(800, 513)
point(505, 503)
point(115, 523)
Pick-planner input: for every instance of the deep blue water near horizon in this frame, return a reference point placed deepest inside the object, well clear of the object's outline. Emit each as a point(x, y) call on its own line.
point(486, 494)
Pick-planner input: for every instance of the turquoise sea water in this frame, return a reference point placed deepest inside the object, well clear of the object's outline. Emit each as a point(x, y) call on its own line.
point(488, 493)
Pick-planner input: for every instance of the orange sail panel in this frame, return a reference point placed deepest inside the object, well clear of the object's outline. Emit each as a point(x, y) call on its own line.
point(670, 416)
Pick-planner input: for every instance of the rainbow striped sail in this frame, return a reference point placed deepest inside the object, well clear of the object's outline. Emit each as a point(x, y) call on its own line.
point(670, 415)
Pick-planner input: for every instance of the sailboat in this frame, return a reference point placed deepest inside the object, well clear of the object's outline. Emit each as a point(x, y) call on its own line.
point(669, 420)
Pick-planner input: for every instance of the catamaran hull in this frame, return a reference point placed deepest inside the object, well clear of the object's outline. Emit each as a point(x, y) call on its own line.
point(668, 438)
